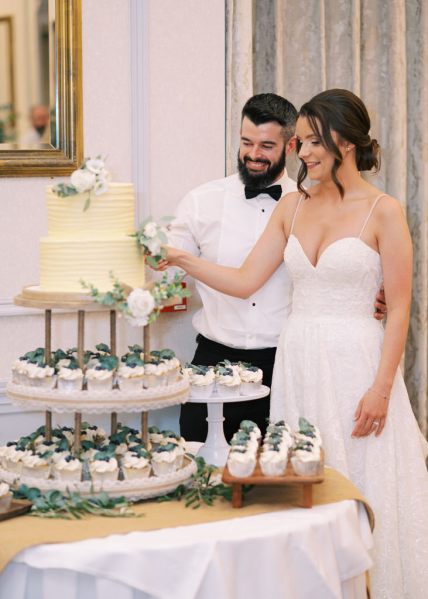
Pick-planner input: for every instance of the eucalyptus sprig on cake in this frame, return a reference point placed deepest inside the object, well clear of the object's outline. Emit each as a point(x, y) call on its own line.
point(151, 236)
point(139, 306)
point(90, 177)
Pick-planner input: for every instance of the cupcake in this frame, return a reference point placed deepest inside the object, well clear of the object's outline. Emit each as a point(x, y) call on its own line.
point(100, 376)
point(136, 464)
point(165, 458)
point(241, 462)
point(14, 458)
point(202, 380)
point(155, 437)
point(99, 379)
point(104, 468)
point(3, 452)
point(228, 381)
point(19, 371)
point(41, 375)
point(306, 459)
point(130, 375)
point(68, 468)
point(154, 374)
point(172, 364)
point(37, 465)
point(5, 497)
point(251, 378)
point(273, 462)
point(70, 378)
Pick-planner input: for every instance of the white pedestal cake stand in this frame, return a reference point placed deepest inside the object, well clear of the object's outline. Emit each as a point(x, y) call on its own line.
point(216, 449)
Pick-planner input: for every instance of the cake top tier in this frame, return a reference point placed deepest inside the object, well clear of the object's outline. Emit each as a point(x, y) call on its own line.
point(109, 215)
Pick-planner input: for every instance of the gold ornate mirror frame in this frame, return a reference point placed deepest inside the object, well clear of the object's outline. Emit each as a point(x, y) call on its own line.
point(67, 156)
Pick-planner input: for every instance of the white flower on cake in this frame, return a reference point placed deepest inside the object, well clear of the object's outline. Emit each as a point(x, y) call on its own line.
point(140, 304)
point(90, 176)
point(82, 180)
point(96, 166)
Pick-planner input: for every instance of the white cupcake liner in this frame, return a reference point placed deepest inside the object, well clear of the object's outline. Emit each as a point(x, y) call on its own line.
point(97, 385)
point(306, 467)
point(227, 390)
point(130, 384)
point(162, 468)
point(102, 477)
point(69, 386)
point(249, 388)
point(136, 473)
point(202, 391)
point(39, 472)
point(240, 469)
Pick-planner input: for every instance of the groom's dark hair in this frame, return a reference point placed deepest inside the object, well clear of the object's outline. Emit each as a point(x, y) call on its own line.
point(265, 108)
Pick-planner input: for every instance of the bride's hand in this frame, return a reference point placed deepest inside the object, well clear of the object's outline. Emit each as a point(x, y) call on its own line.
point(370, 414)
point(169, 260)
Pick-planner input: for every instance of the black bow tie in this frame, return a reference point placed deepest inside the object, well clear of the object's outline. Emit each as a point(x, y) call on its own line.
point(275, 192)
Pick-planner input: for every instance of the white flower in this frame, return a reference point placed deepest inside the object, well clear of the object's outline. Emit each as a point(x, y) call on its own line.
point(154, 246)
point(95, 165)
point(82, 180)
point(141, 304)
point(101, 186)
point(151, 230)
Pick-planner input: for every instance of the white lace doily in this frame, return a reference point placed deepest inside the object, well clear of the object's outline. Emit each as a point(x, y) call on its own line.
point(99, 402)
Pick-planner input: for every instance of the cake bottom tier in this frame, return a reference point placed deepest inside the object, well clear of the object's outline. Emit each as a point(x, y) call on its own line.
point(64, 263)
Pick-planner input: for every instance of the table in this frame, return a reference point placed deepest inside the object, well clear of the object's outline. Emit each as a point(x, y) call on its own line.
point(295, 553)
point(216, 449)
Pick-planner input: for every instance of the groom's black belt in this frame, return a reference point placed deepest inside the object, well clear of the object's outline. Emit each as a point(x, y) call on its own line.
point(231, 351)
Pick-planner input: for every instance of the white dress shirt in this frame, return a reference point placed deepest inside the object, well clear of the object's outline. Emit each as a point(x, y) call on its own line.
point(216, 222)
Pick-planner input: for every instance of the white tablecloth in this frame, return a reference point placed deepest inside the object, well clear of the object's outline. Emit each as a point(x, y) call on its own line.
point(318, 553)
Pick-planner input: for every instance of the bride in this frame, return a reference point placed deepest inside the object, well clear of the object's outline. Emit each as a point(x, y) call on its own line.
point(336, 365)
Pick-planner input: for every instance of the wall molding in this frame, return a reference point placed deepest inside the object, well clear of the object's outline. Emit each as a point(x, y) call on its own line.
point(139, 25)
point(7, 407)
point(8, 308)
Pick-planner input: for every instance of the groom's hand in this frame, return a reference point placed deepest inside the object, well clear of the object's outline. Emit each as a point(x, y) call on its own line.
point(380, 305)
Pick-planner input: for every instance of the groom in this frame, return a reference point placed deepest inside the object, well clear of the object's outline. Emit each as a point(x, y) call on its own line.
point(221, 221)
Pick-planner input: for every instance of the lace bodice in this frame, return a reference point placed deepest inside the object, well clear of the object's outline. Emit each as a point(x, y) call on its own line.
point(343, 283)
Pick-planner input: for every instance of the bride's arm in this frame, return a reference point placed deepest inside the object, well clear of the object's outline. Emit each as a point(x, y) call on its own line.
point(395, 248)
point(259, 265)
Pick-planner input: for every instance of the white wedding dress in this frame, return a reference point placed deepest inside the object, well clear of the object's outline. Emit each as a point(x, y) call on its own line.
point(327, 358)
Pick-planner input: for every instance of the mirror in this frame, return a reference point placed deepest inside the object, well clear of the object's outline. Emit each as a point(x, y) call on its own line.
point(40, 87)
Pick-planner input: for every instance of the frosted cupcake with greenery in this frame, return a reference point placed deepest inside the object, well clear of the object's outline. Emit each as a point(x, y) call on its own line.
point(251, 378)
point(228, 381)
point(130, 374)
point(100, 376)
point(202, 380)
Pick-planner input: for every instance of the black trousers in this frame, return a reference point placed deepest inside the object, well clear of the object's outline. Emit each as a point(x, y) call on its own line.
point(193, 425)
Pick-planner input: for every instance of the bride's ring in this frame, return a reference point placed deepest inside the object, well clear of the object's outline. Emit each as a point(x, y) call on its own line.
point(375, 422)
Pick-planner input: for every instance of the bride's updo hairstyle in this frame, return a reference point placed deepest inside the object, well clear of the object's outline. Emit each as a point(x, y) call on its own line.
point(341, 111)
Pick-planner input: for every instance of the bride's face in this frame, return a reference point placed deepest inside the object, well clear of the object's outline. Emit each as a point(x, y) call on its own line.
point(319, 161)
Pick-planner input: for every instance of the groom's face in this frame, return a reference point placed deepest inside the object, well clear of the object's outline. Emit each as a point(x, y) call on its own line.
point(261, 157)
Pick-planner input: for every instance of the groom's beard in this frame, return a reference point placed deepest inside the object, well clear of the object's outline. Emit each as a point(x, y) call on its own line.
point(260, 180)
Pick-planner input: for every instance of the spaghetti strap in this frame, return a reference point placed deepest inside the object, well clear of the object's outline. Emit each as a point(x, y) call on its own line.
point(295, 214)
point(370, 213)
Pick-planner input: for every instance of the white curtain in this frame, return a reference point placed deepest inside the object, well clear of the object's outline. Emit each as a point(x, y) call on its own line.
point(378, 50)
